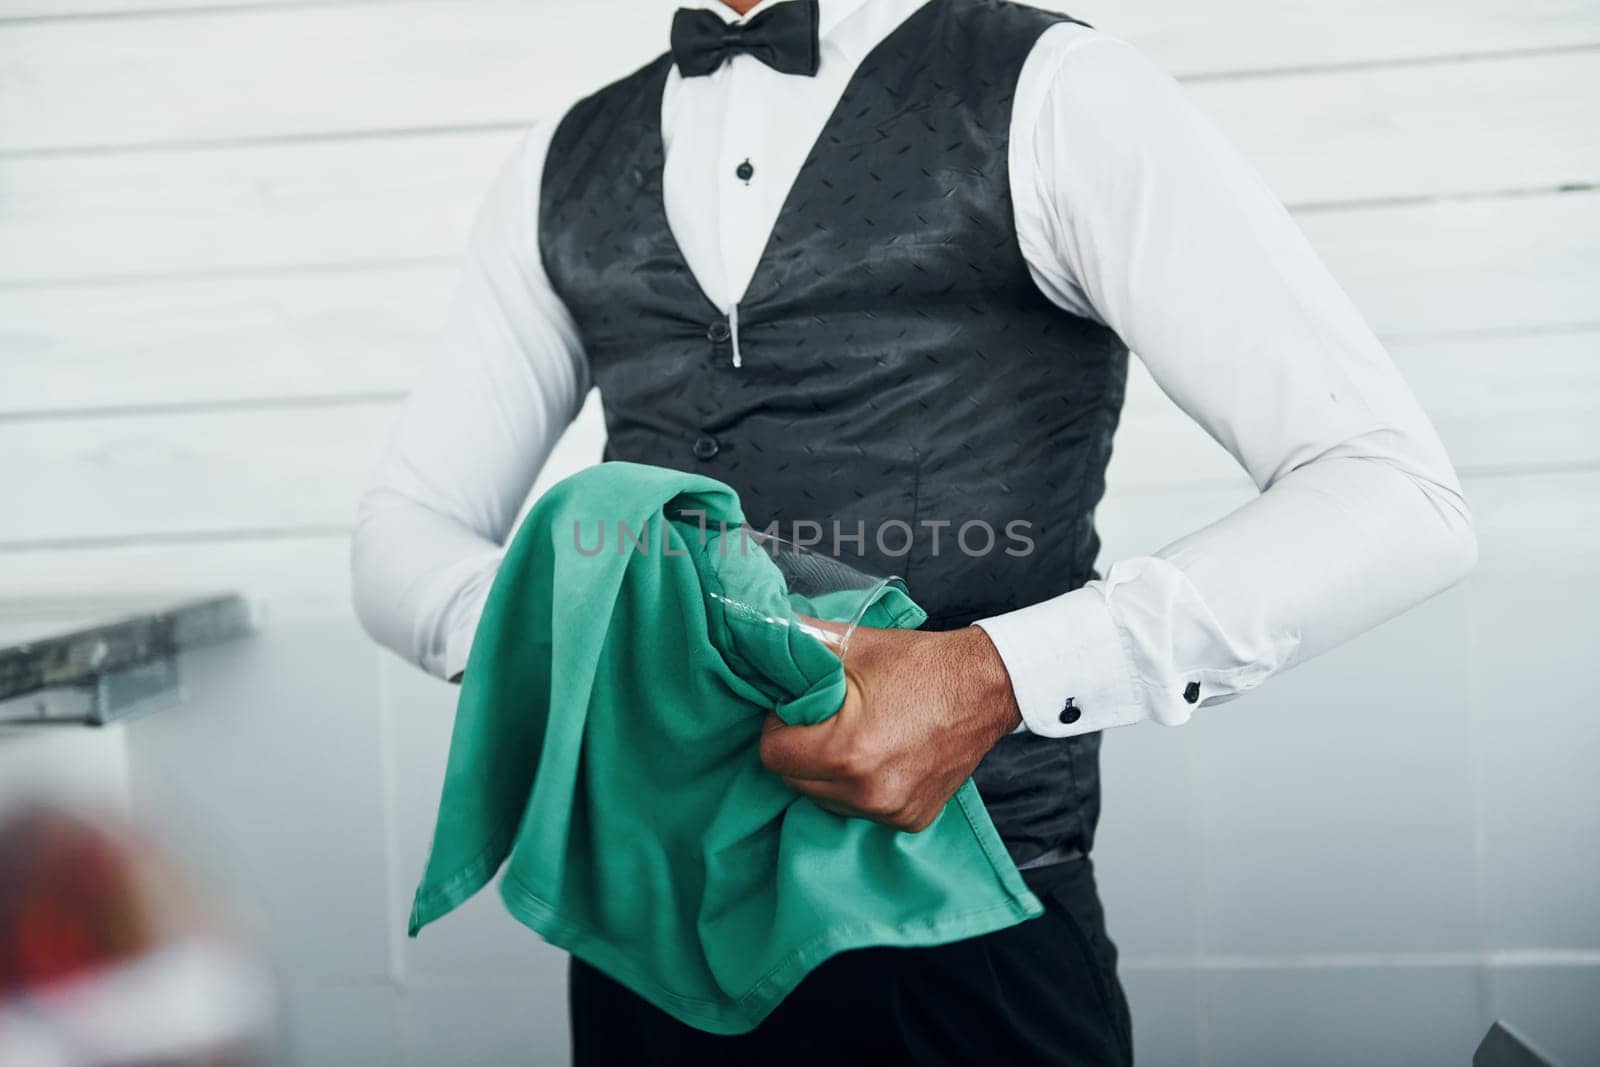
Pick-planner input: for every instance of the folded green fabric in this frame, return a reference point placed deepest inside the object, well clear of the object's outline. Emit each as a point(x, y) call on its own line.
point(606, 751)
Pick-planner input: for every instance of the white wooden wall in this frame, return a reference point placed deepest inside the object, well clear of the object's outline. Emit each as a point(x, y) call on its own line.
point(227, 230)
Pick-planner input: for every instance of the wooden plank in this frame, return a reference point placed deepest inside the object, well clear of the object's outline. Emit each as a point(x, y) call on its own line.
point(328, 68)
point(306, 576)
point(346, 202)
point(1454, 266)
point(1500, 404)
point(179, 475)
point(289, 574)
point(255, 340)
point(75, 9)
point(1507, 403)
point(308, 335)
point(1500, 265)
point(1256, 35)
point(207, 474)
point(263, 206)
point(1417, 131)
point(405, 66)
point(363, 66)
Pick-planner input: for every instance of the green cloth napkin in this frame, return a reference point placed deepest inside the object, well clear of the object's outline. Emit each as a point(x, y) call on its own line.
point(606, 751)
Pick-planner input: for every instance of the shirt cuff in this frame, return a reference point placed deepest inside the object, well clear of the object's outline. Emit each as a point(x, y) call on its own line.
point(457, 647)
point(458, 640)
point(1069, 668)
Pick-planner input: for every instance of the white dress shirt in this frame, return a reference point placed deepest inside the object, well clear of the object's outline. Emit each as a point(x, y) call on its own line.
point(1131, 210)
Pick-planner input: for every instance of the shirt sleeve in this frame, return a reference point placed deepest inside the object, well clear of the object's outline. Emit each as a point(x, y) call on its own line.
point(507, 380)
point(1133, 210)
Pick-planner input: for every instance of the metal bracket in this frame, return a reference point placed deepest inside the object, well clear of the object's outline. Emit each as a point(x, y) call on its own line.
point(112, 696)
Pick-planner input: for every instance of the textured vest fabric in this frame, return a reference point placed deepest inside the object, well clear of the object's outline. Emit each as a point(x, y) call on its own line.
point(898, 369)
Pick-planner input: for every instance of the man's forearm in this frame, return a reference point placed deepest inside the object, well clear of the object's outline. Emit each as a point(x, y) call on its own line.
point(1328, 552)
point(419, 580)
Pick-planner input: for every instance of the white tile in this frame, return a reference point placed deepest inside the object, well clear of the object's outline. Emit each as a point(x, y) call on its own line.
point(1552, 1009)
point(1336, 800)
point(1166, 1016)
point(347, 1026)
point(1536, 735)
point(1311, 1017)
point(1146, 852)
point(480, 939)
point(76, 765)
point(270, 776)
point(503, 1024)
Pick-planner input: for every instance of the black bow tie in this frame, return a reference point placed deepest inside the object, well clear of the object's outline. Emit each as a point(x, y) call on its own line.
point(784, 37)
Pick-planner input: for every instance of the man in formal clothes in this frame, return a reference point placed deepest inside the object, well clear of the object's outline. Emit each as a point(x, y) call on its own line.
point(878, 265)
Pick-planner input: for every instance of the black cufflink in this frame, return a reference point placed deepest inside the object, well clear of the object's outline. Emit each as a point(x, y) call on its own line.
point(1070, 712)
point(1191, 693)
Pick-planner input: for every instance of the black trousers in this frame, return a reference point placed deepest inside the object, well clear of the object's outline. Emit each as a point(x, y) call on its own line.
point(1042, 992)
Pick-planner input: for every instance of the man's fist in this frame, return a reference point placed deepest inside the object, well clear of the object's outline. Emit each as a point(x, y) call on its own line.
point(920, 711)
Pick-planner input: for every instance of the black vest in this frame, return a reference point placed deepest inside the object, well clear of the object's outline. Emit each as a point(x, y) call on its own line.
point(899, 369)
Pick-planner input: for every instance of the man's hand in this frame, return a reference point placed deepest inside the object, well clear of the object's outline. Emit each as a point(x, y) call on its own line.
point(920, 711)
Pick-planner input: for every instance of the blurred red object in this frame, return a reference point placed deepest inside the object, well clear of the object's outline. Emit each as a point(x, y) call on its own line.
point(107, 958)
point(73, 898)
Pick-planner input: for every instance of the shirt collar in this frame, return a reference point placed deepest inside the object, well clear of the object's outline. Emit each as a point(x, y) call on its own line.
point(830, 13)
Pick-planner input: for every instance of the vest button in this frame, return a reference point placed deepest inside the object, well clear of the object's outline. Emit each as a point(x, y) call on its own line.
point(706, 446)
point(1070, 712)
point(718, 332)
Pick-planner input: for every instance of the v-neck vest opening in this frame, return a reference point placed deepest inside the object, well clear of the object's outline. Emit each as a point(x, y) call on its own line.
point(897, 365)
